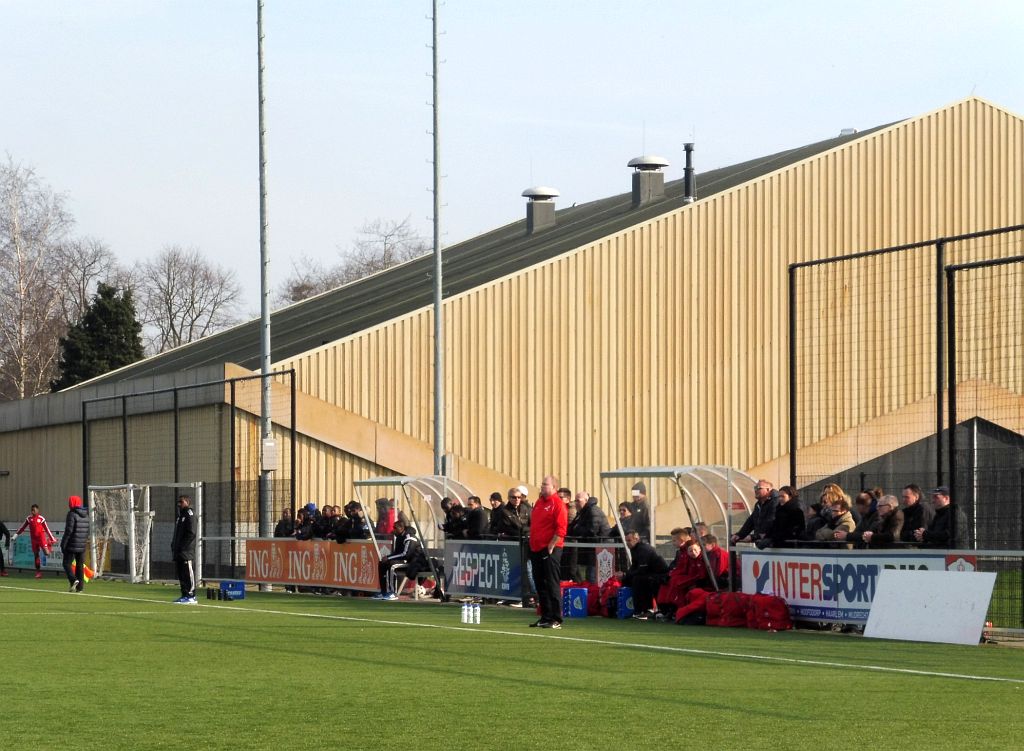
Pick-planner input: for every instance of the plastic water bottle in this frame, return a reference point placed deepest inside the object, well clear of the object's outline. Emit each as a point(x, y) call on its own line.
point(466, 618)
point(476, 612)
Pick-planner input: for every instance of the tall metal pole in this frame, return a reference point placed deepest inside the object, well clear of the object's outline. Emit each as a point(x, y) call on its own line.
point(266, 501)
point(439, 468)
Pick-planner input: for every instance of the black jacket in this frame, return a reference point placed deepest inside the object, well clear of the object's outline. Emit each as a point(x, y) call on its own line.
point(183, 544)
point(5, 533)
point(918, 516)
point(940, 533)
point(788, 524)
point(284, 528)
point(476, 523)
point(76, 531)
point(590, 523)
point(762, 517)
point(646, 562)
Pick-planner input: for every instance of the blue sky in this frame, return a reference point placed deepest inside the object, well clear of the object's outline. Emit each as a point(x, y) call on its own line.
point(143, 112)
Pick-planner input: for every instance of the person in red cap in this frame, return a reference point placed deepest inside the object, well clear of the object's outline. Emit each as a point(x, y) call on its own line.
point(73, 542)
point(40, 535)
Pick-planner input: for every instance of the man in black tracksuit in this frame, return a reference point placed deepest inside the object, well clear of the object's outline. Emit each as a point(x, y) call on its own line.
point(183, 550)
point(406, 557)
point(646, 574)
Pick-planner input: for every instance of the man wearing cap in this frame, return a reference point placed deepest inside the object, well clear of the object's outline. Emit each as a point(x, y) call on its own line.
point(548, 522)
point(73, 541)
point(948, 529)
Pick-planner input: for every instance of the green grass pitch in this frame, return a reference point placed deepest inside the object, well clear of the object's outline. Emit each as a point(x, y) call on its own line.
point(120, 667)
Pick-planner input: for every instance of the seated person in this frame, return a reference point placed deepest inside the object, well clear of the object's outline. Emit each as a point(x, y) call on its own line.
point(646, 574)
point(688, 570)
point(405, 559)
point(719, 560)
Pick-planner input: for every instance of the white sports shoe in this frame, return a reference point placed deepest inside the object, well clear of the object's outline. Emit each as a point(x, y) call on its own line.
point(390, 596)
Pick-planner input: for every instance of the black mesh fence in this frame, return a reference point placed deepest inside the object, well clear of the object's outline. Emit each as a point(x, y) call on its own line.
point(870, 378)
point(208, 433)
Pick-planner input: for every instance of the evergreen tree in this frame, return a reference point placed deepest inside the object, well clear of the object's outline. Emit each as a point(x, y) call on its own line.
point(107, 337)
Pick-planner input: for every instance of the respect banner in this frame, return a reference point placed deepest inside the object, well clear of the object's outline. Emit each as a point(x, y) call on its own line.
point(313, 563)
point(834, 585)
point(483, 568)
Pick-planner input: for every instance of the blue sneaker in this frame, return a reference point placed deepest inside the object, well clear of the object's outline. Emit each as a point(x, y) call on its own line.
point(189, 601)
point(379, 596)
point(390, 596)
point(180, 601)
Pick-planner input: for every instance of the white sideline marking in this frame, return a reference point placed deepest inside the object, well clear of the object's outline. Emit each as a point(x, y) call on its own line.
point(543, 635)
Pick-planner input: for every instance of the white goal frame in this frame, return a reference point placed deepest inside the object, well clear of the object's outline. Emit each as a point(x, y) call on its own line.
point(139, 508)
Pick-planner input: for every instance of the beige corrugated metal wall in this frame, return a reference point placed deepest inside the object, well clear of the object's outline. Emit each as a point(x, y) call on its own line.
point(667, 343)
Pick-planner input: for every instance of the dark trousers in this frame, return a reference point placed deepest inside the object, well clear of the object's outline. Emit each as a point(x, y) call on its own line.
point(186, 577)
point(388, 573)
point(546, 571)
point(645, 589)
point(74, 572)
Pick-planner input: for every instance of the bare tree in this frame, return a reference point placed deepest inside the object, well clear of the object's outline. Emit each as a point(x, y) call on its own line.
point(33, 222)
point(183, 297)
point(379, 245)
point(81, 264)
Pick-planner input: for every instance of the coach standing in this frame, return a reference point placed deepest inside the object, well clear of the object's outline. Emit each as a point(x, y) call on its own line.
point(548, 522)
point(183, 550)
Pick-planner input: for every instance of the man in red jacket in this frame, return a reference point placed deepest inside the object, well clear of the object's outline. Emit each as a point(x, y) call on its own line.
point(40, 535)
point(548, 522)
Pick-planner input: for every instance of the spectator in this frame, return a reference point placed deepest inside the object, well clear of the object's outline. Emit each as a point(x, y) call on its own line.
point(521, 507)
point(358, 527)
point(566, 495)
point(865, 504)
point(6, 535)
point(548, 522)
point(404, 559)
point(588, 526)
point(842, 520)
point(815, 520)
point(684, 573)
point(73, 542)
point(285, 526)
point(948, 529)
point(788, 523)
point(519, 521)
point(303, 524)
point(323, 525)
point(761, 518)
point(476, 520)
point(505, 523)
point(916, 513)
point(640, 509)
point(647, 572)
point(626, 520)
point(498, 510)
point(888, 523)
point(40, 536)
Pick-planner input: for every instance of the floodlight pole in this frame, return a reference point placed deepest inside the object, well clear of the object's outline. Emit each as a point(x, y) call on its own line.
point(266, 501)
point(439, 468)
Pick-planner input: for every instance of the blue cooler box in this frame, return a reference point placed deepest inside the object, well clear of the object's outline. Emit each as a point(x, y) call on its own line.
point(574, 602)
point(626, 602)
point(233, 590)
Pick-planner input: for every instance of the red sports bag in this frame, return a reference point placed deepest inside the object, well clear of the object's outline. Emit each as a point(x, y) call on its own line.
point(768, 613)
point(727, 608)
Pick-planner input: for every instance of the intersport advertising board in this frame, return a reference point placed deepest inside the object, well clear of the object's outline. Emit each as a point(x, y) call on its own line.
point(835, 585)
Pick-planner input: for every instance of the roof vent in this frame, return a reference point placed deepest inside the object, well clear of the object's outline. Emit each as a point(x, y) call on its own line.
point(648, 179)
point(848, 132)
point(540, 209)
point(689, 178)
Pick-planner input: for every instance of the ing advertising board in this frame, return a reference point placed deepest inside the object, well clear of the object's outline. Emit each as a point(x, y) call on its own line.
point(836, 585)
point(314, 563)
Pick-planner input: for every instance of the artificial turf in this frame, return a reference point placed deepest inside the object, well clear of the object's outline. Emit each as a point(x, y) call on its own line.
point(120, 667)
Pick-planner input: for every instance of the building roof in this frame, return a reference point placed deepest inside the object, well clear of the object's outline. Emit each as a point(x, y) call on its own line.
point(402, 289)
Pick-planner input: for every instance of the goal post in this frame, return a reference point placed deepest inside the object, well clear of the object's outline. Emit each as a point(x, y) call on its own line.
point(122, 521)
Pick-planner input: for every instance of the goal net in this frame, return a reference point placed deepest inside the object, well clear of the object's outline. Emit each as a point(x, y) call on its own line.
point(121, 528)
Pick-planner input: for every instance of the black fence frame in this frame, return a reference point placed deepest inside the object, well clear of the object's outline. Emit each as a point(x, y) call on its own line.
point(941, 333)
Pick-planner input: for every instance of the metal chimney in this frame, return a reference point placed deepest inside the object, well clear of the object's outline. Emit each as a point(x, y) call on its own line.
point(540, 209)
point(689, 179)
point(648, 179)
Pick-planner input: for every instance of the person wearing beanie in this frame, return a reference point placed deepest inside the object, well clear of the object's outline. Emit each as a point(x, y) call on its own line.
point(73, 542)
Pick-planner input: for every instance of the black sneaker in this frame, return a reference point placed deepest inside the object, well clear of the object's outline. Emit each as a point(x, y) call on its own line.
point(551, 624)
point(539, 623)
